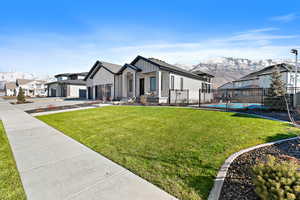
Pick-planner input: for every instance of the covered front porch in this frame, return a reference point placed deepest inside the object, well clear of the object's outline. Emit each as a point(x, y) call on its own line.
point(153, 85)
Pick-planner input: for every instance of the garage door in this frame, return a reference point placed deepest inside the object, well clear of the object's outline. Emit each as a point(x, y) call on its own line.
point(82, 93)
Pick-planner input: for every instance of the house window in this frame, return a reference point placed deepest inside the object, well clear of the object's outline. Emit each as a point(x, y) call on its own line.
point(172, 82)
point(203, 90)
point(130, 85)
point(181, 83)
point(152, 84)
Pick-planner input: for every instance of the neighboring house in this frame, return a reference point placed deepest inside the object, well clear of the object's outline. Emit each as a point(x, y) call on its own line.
point(262, 78)
point(10, 89)
point(71, 85)
point(32, 88)
point(226, 86)
point(144, 76)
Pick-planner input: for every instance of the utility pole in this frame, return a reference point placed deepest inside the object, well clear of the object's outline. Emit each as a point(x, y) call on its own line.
point(295, 51)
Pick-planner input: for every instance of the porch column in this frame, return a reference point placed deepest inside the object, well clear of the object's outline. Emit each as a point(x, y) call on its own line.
point(158, 83)
point(124, 84)
point(94, 92)
point(134, 83)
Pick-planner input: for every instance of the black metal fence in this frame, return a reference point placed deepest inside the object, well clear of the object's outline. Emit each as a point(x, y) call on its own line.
point(234, 96)
point(248, 95)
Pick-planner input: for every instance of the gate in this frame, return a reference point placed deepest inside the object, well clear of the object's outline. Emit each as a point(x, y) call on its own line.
point(178, 96)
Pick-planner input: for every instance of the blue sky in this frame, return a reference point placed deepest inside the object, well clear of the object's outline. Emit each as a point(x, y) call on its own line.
point(69, 36)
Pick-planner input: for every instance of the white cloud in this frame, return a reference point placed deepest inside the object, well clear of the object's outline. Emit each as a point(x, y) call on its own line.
point(285, 18)
point(54, 53)
point(253, 44)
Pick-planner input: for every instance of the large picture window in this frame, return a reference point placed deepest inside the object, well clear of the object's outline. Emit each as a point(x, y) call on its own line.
point(181, 83)
point(152, 84)
point(130, 85)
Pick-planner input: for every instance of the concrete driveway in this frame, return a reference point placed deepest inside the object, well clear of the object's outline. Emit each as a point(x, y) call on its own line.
point(46, 102)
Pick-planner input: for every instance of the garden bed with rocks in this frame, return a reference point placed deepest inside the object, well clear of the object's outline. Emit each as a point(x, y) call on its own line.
point(275, 114)
point(238, 182)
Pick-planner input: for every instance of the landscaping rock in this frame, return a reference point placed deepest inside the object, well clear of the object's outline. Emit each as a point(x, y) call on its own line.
point(238, 182)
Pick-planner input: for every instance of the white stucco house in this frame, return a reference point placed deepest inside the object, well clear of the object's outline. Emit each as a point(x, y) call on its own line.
point(262, 78)
point(32, 88)
point(10, 89)
point(70, 85)
point(148, 77)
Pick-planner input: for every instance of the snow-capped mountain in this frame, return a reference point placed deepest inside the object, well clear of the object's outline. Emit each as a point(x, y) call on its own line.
point(226, 69)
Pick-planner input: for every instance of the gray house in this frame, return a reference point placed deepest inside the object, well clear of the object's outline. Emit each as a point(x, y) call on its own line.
point(148, 77)
point(71, 85)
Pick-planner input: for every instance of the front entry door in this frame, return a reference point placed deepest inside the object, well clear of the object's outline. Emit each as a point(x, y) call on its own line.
point(142, 86)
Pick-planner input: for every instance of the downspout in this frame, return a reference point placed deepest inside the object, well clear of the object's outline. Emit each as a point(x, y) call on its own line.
point(114, 86)
point(135, 85)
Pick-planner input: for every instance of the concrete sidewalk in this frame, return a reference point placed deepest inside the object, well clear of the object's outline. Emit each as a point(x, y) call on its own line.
point(53, 166)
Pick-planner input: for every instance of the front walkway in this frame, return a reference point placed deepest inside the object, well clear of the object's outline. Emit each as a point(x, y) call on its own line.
point(53, 166)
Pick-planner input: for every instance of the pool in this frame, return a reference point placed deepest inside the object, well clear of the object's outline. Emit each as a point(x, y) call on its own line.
point(237, 106)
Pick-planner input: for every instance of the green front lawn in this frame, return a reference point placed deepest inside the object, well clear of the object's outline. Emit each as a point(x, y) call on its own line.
point(178, 149)
point(10, 184)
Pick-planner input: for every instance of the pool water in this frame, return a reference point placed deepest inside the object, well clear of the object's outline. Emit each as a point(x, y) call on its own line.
point(250, 106)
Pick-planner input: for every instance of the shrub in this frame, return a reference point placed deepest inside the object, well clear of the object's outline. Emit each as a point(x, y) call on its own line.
point(275, 103)
point(21, 96)
point(277, 180)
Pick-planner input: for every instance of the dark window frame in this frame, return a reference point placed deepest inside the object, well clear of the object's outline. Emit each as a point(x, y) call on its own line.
point(181, 83)
point(172, 82)
point(130, 83)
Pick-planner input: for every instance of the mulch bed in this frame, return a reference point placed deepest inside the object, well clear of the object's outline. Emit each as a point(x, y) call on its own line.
point(238, 182)
point(275, 114)
point(55, 108)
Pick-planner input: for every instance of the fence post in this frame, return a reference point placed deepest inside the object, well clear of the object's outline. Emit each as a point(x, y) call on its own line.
point(199, 97)
point(169, 96)
point(188, 97)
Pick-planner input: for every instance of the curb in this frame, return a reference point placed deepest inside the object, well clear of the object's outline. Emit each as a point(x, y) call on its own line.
point(219, 180)
point(67, 110)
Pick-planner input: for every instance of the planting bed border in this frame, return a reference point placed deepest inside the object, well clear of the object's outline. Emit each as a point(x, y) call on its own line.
point(219, 180)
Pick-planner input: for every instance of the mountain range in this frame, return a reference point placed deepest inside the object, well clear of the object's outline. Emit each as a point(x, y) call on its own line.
point(227, 69)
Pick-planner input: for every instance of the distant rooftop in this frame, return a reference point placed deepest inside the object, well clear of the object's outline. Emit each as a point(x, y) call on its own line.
point(10, 85)
point(70, 82)
point(72, 74)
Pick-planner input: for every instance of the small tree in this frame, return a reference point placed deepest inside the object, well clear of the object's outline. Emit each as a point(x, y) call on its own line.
point(21, 96)
point(276, 94)
point(277, 85)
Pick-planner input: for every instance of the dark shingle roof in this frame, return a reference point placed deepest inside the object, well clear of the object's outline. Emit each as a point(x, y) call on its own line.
point(10, 85)
point(23, 81)
point(72, 74)
point(113, 68)
point(166, 66)
point(254, 75)
point(69, 82)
